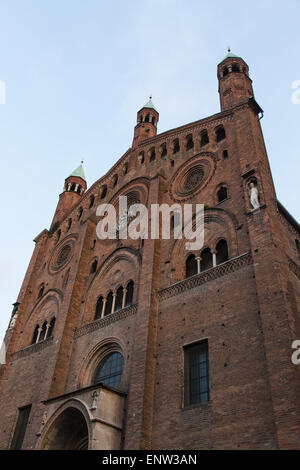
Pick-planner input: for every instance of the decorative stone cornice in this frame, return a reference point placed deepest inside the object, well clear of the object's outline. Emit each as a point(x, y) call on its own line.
point(102, 322)
point(31, 349)
point(210, 275)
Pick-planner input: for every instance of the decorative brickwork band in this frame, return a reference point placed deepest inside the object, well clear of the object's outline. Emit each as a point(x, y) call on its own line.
point(102, 322)
point(209, 275)
point(294, 267)
point(32, 349)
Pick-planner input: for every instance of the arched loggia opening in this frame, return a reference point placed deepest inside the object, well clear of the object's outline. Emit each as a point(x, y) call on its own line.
point(68, 432)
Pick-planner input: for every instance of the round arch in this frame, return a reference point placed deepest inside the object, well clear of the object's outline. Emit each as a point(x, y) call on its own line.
point(68, 429)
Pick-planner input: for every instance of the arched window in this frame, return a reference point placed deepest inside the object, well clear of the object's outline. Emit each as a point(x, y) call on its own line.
point(115, 181)
point(220, 133)
point(99, 308)
point(129, 294)
point(206, 260)
point(222, 194)
point(147, 118)
point(191, 266)
point(235, 68)
point(35, 334)
point(222, 252)
point(119, 299)
point(79, 189)
point(110, 370)
point(103, 192)
point(43, 332)
point(51, 328)
point(204, 139)
point(163, 150)
point(225, 72)
point(73, 186)
point(153, 120)
point(69, 224)
point(141, 158)
point(176, 146)
point(80, 211)
point(152, 155)
point(225, 154)
point(109, 303)
point(94, 267)
point(189, 142)
point(125, 169)
point(58, 235)
point(298, 247)
point(41, 291)
point(92, 200)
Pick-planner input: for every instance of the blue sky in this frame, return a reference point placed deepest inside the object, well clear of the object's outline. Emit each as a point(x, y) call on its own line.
point(76, 72)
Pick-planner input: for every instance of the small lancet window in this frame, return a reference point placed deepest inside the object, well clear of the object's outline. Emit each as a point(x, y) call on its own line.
point(115, 181)
point(58, 236)
point(92, 200)
point(220, 134)
point(94, 267)
point(80, 211)
point(176, 146)
point(222, 194)
point(69, 224)
point(163, 150)
point(206, 260)
point(189, 142)
point(119, 299)
point(222, 252)
point(103, 192)
point(41, 291)
point(109, 304)
point(204, 139)
point(147, 118)
point(191, 266)
point(35, 334)
point(43, 332)
point(51, 328)
point(235, 68)
point(129, 294)
point(152, 155)
point(99, 308)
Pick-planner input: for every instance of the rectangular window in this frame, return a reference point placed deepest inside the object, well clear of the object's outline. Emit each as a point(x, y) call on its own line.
point(20, 428)
point(196, 374)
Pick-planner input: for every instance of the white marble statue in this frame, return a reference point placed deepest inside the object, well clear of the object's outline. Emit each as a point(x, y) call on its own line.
point(254, 196)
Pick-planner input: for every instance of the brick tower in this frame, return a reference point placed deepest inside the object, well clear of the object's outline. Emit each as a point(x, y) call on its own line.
point(141, 344)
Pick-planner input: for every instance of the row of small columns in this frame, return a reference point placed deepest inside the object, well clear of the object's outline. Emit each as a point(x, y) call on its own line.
point(214, 260)
point(39, 333)
point(144, 118)
point(170, 148)
point(68, 188)
point(113, 302)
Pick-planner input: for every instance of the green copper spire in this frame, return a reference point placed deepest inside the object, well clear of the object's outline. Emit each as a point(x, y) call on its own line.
point(230, 54)
point(79, 172)
point(150, 105)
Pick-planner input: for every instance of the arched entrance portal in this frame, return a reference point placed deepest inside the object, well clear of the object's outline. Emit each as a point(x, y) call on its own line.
point(68, 432)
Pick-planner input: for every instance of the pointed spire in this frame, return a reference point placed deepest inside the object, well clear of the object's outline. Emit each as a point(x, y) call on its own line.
point(79, 172)
point(230, 54)
point(150, 104)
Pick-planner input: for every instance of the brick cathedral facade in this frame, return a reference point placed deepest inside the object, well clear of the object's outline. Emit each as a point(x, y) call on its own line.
point(141, 344)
